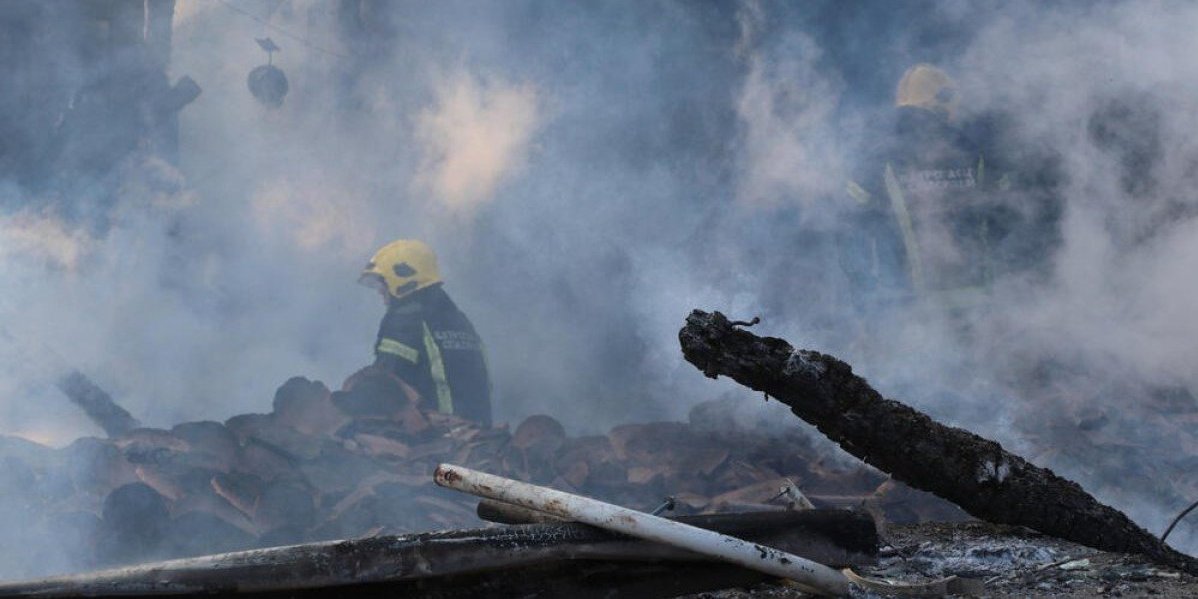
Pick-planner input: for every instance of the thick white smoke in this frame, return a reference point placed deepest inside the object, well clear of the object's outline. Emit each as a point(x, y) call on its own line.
point(1098, 106)
point(588, 173)
point(475, 135)
point(790, 150)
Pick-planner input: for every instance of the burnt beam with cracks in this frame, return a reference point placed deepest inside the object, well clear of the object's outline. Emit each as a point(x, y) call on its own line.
point(974, 472)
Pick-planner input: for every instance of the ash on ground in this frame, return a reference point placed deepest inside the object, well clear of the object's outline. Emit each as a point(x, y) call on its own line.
point(1010, 561)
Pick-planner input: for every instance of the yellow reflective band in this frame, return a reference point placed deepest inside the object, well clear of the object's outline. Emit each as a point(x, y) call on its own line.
point(395, 348)
point(899, 203)
point(858, 193)
point(437, 368)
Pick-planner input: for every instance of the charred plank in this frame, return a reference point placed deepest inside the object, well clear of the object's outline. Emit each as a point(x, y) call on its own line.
point(975, 473)
point(577, 579)
point(97, 404)
point(437, 563)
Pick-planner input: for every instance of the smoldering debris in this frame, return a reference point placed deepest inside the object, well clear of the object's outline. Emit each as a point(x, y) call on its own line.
point(354, 463)
point(468, 561)
point(311, 471)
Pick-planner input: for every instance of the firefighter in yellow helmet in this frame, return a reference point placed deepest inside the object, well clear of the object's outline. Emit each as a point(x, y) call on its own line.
point(928, 88)
point(925, 203)
point(424, 338)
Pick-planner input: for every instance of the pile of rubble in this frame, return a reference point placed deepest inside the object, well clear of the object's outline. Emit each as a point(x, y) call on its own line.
point(320, 466)
point(356, 464)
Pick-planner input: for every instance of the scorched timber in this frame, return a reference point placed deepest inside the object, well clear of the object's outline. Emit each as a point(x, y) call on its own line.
point(975, 473)
point(97, 403)
point(530, 560)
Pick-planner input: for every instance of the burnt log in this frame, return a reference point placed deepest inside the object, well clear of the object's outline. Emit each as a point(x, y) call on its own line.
point(501, 512)
point(975, 473)
point(438, 563)
point(97, 404)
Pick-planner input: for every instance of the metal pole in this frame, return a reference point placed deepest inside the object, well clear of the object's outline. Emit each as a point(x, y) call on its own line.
point(815, 577)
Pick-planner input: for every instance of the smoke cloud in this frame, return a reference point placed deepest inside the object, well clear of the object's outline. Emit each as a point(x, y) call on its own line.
point(787, 107)
point(474, 136)
point(588, 173)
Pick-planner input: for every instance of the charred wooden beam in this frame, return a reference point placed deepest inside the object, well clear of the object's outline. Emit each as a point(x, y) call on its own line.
point(97, 404)
point(576, 579)
point(500, 512)
point(435, 563)
point(975, 473)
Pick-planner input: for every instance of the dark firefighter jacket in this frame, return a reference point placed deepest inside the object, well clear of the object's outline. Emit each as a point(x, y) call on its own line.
point(430, 344)
point(927, 213)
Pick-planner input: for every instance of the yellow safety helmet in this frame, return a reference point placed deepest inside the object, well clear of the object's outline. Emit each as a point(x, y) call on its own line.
point(401, 267)
point(925, 86)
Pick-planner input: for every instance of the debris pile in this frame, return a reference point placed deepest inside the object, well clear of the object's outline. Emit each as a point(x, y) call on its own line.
point(555, 559)
point(332, 465)
point(356, 464)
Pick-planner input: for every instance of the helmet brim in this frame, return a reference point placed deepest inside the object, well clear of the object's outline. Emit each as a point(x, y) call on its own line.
point(373, 281)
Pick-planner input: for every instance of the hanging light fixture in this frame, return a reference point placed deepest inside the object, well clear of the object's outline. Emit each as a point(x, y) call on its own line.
point(267, 82)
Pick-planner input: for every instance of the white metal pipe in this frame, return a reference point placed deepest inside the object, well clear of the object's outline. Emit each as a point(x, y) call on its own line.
point(817, 578)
